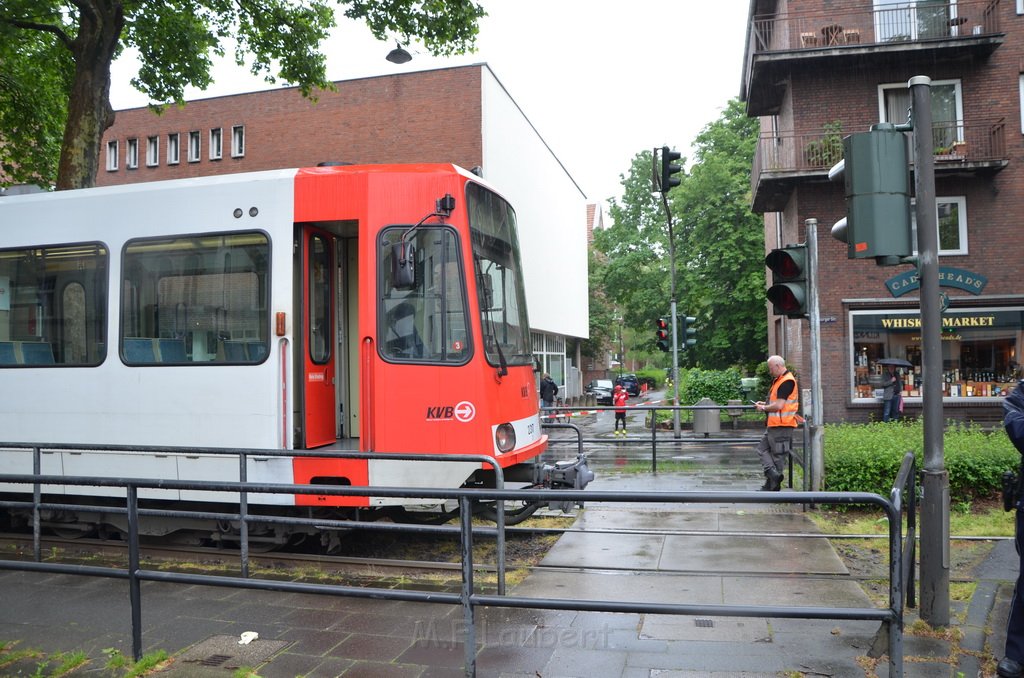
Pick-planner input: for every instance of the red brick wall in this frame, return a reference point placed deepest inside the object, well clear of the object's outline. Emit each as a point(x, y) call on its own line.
point(429, 116)
point(829, 89)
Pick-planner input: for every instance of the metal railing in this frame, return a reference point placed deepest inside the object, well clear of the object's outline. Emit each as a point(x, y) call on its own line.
point(795, 456)
point(883, 25)
point(976, 141)
point(467, 598)
point(244, 517)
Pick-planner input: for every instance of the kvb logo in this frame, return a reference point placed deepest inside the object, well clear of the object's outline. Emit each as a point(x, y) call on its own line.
point(463, 412)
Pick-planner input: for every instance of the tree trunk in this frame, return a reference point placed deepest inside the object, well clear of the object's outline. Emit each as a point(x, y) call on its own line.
point(89, 110)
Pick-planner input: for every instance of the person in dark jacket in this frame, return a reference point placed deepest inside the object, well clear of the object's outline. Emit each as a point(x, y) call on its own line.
point(548, 390)
point(1012, 663)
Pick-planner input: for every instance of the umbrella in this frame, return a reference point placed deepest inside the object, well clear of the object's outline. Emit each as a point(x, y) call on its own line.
point(898, 362)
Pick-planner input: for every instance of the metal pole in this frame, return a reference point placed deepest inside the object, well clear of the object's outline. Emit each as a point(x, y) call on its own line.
point(134, 585)
point(466, 530)
point(676, 429)
point(815, 456)
point(935, 478)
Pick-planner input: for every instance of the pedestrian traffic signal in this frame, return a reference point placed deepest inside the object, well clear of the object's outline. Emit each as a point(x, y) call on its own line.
point(687, 333)
point(669, 168)
point(876, 175)
point(788, 292)
point(661, 334)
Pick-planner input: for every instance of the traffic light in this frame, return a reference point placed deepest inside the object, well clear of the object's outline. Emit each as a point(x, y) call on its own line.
point(661, 334)
point(788, 292)
point(668, 168)
point(876, 174)
point(687, 333)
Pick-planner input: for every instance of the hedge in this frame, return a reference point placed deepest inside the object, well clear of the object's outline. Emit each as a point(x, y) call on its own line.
point(867, 457)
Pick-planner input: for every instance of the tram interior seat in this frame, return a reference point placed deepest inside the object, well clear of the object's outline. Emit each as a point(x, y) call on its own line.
point(7, 356)
point(244, 350)
point(172, 350)
point(36, 353)
point(139, 350)
point(234, 351)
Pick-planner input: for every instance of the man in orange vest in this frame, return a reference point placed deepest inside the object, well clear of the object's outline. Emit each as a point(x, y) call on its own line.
point(782, 409)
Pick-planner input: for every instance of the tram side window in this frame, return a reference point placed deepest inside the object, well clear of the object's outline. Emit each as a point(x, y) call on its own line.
point(425, 322)
point(53, 305)
point(499, 280)
point(195, 299)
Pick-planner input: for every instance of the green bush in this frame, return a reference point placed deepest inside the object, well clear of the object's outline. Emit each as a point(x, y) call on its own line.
point(719, 385)
point(655, 378)
point(867, 457)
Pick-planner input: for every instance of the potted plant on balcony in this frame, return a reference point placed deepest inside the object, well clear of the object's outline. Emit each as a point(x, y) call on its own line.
point(959, 149)
point(828, 150)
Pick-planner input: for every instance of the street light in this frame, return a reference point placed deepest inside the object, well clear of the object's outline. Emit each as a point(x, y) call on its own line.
point(398, 55)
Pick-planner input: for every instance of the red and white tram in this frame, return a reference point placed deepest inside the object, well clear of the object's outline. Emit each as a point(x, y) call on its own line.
point(373, 308)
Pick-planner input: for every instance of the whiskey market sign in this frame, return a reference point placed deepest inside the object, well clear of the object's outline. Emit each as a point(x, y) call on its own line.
point(948, 277)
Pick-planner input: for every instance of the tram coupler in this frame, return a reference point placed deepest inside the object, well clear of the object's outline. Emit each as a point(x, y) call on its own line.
point(567, 474)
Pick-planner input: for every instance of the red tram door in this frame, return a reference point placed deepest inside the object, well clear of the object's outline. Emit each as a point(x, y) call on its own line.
point(319, 426)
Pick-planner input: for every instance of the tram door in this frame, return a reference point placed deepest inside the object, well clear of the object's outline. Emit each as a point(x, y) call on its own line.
point(319, 425)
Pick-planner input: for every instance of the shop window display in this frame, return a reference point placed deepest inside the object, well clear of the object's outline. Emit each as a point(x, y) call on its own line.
point(980, 351)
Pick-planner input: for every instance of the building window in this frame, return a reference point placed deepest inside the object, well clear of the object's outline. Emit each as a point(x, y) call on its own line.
point(1020, 6)
point(980, 348)
point(173, 149)
point(112, 156)
point(947, 110)
point(193, 146)
point(152, 151)
point(901, 20)
point(216, 143)
point(131, 160)
point(238, 141)
point(952, 225)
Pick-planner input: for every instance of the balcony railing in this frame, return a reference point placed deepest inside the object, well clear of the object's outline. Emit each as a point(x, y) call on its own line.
point(957, 145)
point(907, 22)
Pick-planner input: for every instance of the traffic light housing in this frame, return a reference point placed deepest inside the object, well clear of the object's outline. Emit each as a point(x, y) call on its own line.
point(669, 168)
point(876, 174)
point(687, 333)
point(661, 334)
point(788, 291)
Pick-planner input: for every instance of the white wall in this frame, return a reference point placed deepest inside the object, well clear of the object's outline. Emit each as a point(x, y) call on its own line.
point(550, 209)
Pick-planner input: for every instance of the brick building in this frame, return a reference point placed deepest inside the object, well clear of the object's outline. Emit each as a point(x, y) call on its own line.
point(817, 70)
point(461, 115)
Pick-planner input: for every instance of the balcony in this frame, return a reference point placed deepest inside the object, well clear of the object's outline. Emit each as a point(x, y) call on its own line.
point(783, 161)
point(869, 36)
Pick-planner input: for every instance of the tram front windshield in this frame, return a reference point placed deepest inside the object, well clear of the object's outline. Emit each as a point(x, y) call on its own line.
point(499, 278)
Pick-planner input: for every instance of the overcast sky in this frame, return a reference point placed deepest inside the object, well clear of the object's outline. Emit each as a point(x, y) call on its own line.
point(600, 80)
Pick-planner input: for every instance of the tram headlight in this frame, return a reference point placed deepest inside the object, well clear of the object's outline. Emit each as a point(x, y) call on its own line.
point(505, 437)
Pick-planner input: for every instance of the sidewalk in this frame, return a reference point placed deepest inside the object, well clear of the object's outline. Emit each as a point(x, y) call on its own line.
point(699, 562)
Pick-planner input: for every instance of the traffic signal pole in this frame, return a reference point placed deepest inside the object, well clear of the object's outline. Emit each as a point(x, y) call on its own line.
point(667, 181)
point(817, 457)
point(935, 478)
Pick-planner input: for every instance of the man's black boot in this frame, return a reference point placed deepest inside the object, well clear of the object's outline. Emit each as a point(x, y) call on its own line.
point(1009, 668)
point(775, 478)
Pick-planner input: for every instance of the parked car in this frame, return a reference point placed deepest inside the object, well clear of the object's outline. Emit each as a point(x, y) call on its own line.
point(630, 383)
point(601, 389)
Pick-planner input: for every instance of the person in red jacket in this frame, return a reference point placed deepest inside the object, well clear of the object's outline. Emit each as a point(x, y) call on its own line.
point(619, 398)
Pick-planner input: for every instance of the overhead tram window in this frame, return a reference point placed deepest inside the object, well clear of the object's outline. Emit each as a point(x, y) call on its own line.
point(425, 320)
point(196, 299)
point(53, 305)
point(499, 279)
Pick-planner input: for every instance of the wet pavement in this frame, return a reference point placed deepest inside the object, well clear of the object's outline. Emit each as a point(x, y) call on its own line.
point(659, 552)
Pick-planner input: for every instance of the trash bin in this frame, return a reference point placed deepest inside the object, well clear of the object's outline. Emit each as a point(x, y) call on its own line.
point(735, 410)
point(706, 421)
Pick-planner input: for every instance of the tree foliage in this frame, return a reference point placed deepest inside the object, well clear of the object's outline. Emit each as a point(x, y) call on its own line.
point(719, 247)
point(68, 46)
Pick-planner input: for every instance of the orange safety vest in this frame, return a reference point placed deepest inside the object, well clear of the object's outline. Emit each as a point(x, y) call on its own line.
point(788, 415)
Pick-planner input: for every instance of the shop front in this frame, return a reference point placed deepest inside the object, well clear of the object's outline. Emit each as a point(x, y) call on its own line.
point(981, 349)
